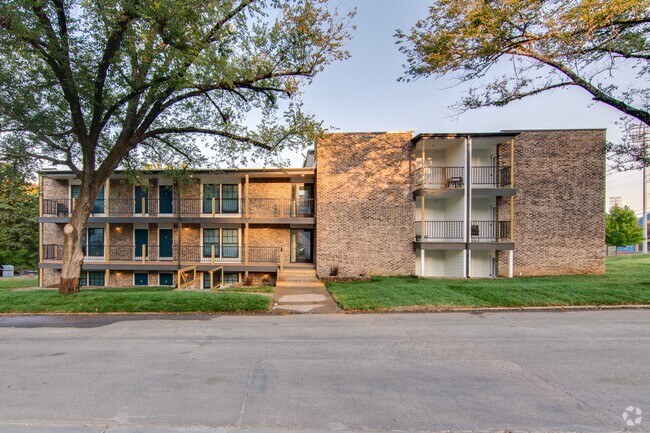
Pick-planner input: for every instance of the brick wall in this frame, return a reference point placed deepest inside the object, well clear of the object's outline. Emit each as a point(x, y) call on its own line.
point(269, 188)
point(364, 204)
point(55, 188)
point(51, 277)
point(275, 236)
point(559, 207)
point(53, 233)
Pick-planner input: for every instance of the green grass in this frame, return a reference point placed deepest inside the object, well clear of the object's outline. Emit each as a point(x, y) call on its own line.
point(131, 300)
point(627, 281)
point(17, 282)
point(259, 289)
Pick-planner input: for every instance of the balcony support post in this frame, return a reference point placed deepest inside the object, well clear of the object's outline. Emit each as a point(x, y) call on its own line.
point(512, 163)
point(246, 247)
point(143, 207)
point(512, 218)
point(212, 253)
point(107, 197)
point(144, 254)
point(108, 243)
point(107, 278)
point(214, 206)
point(511, 264)
point(246, 184)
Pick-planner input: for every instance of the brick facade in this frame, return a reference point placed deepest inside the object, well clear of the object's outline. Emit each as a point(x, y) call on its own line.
point(364, 205)
point(559, 207)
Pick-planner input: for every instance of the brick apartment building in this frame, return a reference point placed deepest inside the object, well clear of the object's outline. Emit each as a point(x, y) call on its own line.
point(446, 205)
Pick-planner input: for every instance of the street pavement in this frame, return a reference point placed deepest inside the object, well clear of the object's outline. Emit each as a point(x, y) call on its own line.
point(534, 371)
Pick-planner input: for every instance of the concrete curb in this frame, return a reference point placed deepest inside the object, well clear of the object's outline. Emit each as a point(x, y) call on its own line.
point(557, 308)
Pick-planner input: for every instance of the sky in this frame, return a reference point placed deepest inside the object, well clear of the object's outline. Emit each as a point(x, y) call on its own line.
point(363, 94)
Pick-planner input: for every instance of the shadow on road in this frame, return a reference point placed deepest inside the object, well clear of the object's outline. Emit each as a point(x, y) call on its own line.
point(88, 321)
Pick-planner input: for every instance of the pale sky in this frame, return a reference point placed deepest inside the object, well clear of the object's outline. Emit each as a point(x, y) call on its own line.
point(362, 94)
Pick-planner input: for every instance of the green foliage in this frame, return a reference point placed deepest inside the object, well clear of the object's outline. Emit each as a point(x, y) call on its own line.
point(626, 282)
point(18, 219)
point(621, 227)
point(592, 44)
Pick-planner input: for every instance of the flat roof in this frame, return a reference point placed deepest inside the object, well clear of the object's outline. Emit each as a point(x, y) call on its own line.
point(463, 134)
point(258, 172)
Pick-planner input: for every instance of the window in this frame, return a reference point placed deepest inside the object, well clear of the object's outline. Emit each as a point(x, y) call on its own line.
point(206, 280)
point(166, 279)
point(230, 198)
point(210, 237)
point(210, 191)
point(98, 205)
point(92, 242)
point(230, 278)
point(230, 243)
point(92, 278)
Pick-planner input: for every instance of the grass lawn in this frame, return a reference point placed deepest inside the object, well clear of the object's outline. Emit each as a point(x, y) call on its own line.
point(17, 282)
point(627, 281)
point(259, 289)
point(131, 300)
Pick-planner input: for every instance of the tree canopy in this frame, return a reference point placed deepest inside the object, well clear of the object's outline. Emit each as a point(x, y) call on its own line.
point(90, 84)
point(511, 49)
point(622, 228)
point(18, 219)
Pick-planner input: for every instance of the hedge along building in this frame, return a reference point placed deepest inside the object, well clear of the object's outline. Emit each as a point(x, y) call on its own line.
point(447, 205)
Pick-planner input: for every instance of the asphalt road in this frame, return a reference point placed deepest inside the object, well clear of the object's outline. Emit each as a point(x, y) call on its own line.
point(572, 371)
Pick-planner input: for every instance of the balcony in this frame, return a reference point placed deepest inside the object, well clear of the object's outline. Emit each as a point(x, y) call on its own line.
point(453, 231)
point(189, 207)
point(454, 177)
point(169, 254)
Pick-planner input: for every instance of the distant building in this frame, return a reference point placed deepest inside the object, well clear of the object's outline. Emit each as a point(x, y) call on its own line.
point(615, 201)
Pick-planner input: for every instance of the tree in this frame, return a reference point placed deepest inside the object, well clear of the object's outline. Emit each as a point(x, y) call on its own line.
point(18, 219)
point(88, 84)
point(622, 228)
point(545, 45)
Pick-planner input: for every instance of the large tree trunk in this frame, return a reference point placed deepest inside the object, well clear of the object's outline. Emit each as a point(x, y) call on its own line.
point(72, 235)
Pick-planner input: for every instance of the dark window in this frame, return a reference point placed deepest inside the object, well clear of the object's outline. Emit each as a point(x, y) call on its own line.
point(92, 242)
point(230, 198)
point(95, 278)
point(166, 279)
point(206, 280)
point(210, 191)
point(98, 205)
point(210, 237)
point(230, 278)
point(230, 243)
point(83, 280)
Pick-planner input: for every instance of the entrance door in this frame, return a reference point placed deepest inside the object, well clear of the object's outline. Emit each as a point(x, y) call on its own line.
point(165, 195)
point(141, 238)
point(301, 246)
point(166, 244)
point(141, 193)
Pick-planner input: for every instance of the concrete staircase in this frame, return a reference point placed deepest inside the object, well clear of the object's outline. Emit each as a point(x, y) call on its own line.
point(299, 290)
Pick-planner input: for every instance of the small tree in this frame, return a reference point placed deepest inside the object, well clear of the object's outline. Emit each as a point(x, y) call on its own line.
point(622, 228)
point(594, 45)
point(87, 84)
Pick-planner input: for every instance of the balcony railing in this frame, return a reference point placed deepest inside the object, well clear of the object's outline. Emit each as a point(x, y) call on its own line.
point(491, 176)
point(452, 231)
point(193, 207)
point(155, 253)
point(454, 177)
point(439, 231)
point(440, 177)
point(489, 231)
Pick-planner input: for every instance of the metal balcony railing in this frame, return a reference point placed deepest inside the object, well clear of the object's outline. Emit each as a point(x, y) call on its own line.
point(454, 177)
point(156, 253)
point(479, 231)
point(489, 231)
point(440, 177)
point(439, 230)
point(494, 176)
point(193, 207)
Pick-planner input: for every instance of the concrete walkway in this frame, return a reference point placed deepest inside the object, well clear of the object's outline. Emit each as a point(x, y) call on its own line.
point(298, 290)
